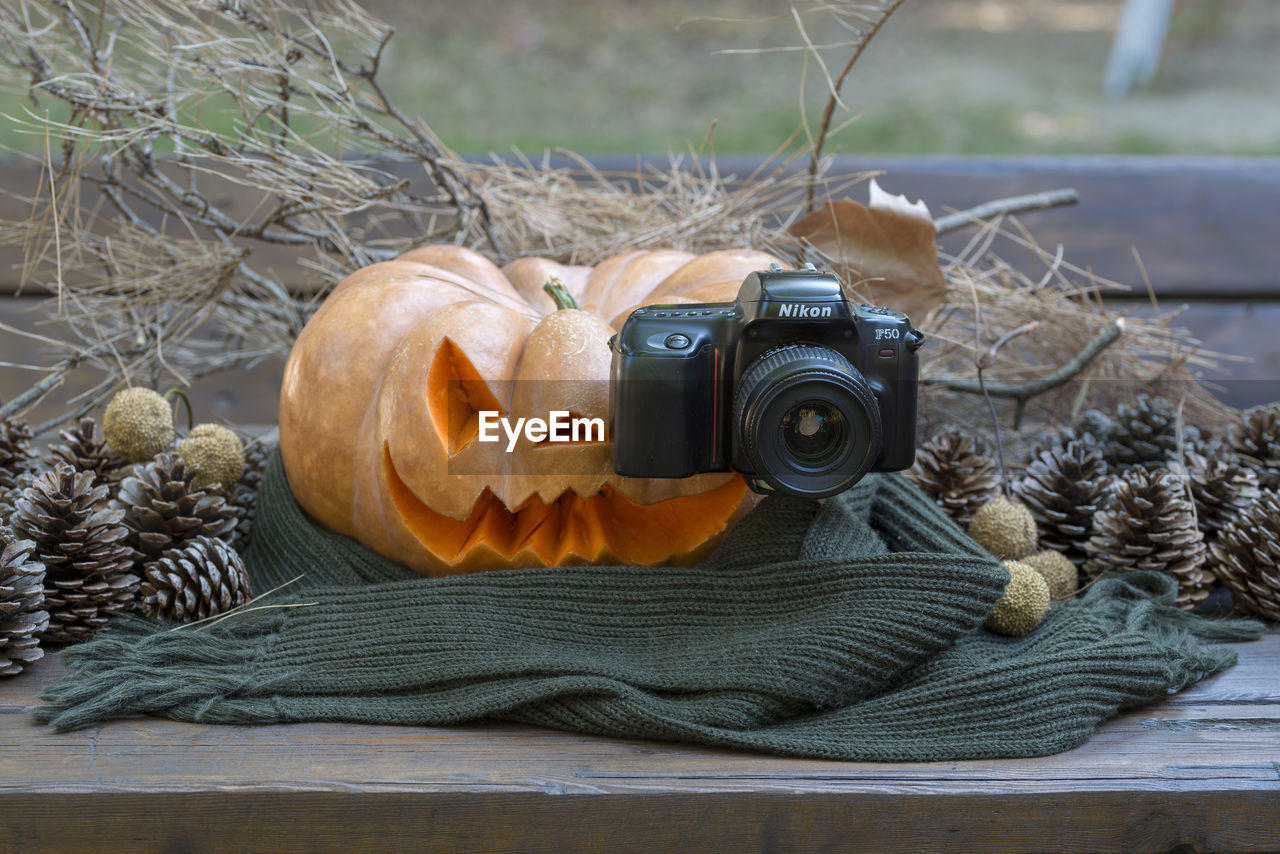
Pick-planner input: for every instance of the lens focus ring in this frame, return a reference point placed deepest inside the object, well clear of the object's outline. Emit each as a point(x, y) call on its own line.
point(789, 355)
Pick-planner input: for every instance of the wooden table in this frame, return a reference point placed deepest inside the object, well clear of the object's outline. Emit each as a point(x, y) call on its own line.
point(1200, 771)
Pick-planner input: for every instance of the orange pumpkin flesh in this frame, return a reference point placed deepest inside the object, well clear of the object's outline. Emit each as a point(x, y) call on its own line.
point(378, 423)
point(571, 529)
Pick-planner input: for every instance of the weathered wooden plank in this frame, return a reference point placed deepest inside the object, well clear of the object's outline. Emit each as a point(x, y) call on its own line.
point(243, 397)
point(1243, 332)
point(1203, 226)
point(1157, 745)
point(528, 822)
point(1201, 771)
point(146, 755)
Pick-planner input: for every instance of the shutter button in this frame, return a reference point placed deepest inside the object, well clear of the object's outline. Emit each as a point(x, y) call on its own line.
point(677, 342)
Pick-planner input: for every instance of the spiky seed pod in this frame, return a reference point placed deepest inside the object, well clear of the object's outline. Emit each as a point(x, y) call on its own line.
point(85, 451)
point(954, 469)
point(1063, 487)
point(138, 424)
point(219, 454)
point(1059, 572)
point(1246, 556)
point(1222, 486)
point(1024, 603)
point(80, 541)
point(1144, 433)
point(201, 578)
point(1257, 439)
point(163, 508)
point(23, 618)
point(1148, 523)
point(16, 456)
point(243, 497)
point(1005, 528)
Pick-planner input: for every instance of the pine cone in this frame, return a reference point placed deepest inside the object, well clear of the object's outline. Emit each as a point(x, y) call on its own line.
point(78, 536)
point(1092, 429)
point(1222, 486)
point(1246, 556)
point(954, 469)
point(1257, 439)
point(9, 499)
point(1148, 523)
point(22, 616)
point(202, 578)
point(162, 509)
point(1199, 441)
point(86, 452)
point(16, 457)
point(243, 496)
point(1064, 487)
point(1142, 434)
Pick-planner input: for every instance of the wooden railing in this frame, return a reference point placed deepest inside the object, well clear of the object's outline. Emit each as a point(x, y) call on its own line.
point(1206, 231)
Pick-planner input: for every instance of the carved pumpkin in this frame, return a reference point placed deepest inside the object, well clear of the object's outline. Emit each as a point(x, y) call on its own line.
point(381, 395)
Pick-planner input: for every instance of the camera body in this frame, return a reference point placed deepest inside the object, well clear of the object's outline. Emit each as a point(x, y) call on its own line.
point(791, 385)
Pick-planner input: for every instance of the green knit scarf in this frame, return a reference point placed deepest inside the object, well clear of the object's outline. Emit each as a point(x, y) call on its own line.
point(850, 629)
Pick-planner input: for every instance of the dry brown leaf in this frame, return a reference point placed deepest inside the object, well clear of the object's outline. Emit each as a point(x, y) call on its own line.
point(885, 252)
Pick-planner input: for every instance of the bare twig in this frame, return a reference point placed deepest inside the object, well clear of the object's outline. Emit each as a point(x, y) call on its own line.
point(879, 13)
point(989, 357)
point(1024, 391)
point(1014, 204)
point(57, 375)
point(982, 363)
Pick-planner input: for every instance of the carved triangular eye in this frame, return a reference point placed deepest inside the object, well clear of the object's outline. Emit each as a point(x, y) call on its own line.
point(457, 394)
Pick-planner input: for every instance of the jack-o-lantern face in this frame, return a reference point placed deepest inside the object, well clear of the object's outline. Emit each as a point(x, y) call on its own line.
point(383, 391)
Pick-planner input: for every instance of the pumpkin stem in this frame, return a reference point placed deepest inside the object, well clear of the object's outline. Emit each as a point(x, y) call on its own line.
point(559, 294)
point(186, 402)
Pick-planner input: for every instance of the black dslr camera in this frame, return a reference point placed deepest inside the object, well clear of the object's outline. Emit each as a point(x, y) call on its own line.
point(791, 384)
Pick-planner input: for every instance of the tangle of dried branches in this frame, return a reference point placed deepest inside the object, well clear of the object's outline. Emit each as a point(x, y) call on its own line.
point(161, 117)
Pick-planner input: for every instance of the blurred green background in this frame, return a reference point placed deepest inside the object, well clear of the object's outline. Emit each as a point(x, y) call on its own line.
point(944, 76)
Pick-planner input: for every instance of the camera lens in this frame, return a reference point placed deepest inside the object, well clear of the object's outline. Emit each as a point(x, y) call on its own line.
point(806, 421)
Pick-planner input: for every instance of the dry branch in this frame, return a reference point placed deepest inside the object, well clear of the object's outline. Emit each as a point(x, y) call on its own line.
point(138, 251)
point(1000, 207)
point(864, 20)
point(1021, 392)
point(159, 283)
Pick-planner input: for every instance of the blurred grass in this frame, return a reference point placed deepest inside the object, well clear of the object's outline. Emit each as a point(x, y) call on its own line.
point(944, 76)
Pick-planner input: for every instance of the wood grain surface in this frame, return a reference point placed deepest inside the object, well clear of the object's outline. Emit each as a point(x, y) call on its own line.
point(1204, 228)
point(1201, 224)
point(1197, 772)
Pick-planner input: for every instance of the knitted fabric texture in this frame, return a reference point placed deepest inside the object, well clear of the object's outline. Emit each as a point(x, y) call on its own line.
point(849, 629)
